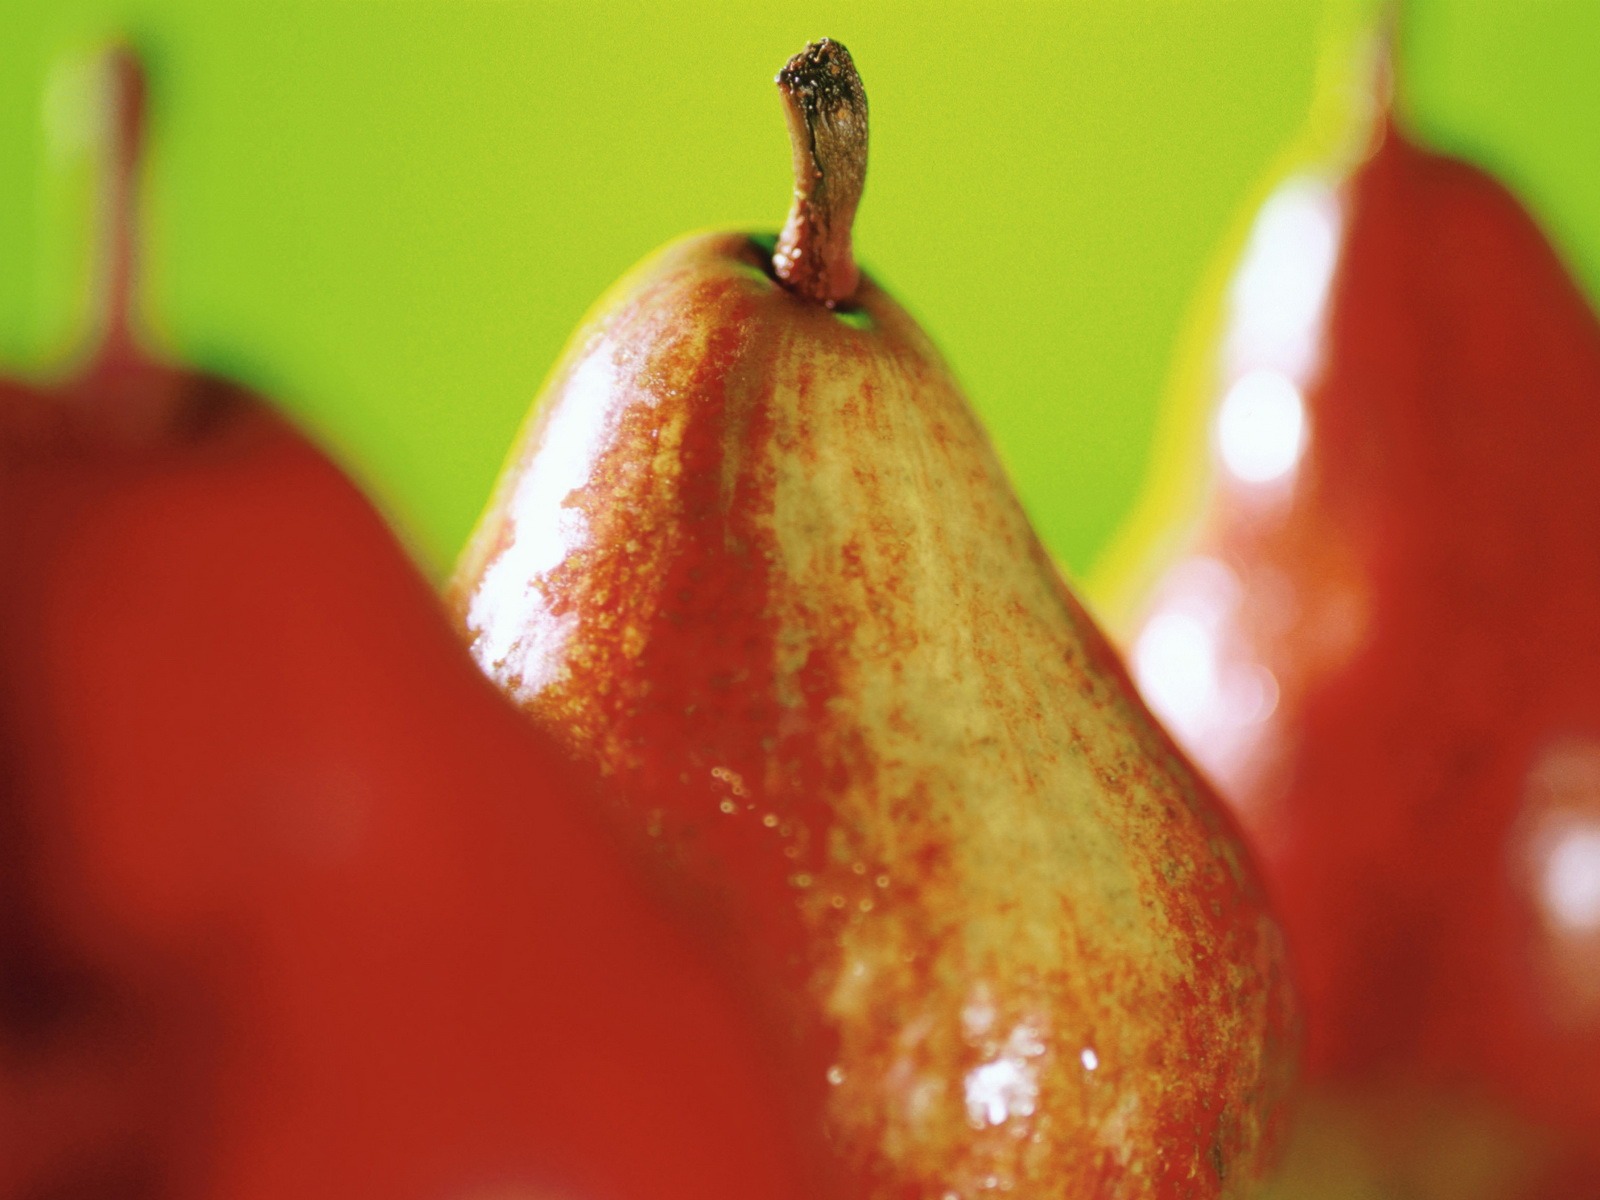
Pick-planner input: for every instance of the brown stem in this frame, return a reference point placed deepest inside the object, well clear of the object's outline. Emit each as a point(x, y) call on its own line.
point(124, 99)
point(827, 112)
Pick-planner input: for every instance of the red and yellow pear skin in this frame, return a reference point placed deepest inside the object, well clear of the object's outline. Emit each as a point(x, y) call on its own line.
point(294, 904)
point(755, 558)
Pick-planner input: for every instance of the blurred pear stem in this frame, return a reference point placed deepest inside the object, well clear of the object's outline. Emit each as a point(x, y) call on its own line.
point(1386, 67)
point(826, 108)
point(123, 116)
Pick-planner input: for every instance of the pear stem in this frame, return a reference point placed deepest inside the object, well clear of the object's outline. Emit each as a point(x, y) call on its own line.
point(1386, 43)
point(826, 108)
point(124, 101)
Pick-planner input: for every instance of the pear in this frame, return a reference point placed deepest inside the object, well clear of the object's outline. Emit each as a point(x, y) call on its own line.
point(1373, 623)
point(292, 903)
point(755, 557)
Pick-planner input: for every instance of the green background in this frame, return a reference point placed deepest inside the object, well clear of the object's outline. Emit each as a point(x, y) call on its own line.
point(391, 215)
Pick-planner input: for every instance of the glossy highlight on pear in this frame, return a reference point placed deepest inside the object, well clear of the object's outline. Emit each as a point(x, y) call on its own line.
point(756, 559)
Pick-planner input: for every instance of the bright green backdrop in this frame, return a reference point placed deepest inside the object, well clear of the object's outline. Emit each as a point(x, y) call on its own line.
point(390, 215)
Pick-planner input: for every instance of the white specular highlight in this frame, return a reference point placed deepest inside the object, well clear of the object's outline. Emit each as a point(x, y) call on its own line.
point(1008, 1085)
point(1191, 669)
point(1280, 291)
point(1261, 426)
point(1569, 882)
point(516, 638)
point(1175, 664)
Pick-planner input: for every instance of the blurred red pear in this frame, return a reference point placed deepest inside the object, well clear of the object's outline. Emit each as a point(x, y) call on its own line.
point(1381, 637)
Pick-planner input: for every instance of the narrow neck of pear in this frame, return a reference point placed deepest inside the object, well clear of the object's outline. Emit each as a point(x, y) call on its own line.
point(826, 109)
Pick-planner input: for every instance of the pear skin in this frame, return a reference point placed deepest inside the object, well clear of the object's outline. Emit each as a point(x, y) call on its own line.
point(754, 556)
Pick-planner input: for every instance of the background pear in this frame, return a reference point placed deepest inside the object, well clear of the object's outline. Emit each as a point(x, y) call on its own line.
point(1375, 626)
point(755, 558)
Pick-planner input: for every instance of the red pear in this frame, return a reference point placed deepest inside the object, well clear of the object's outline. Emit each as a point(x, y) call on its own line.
point(294, 904)
point(756, 559)
point(1382, 638)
